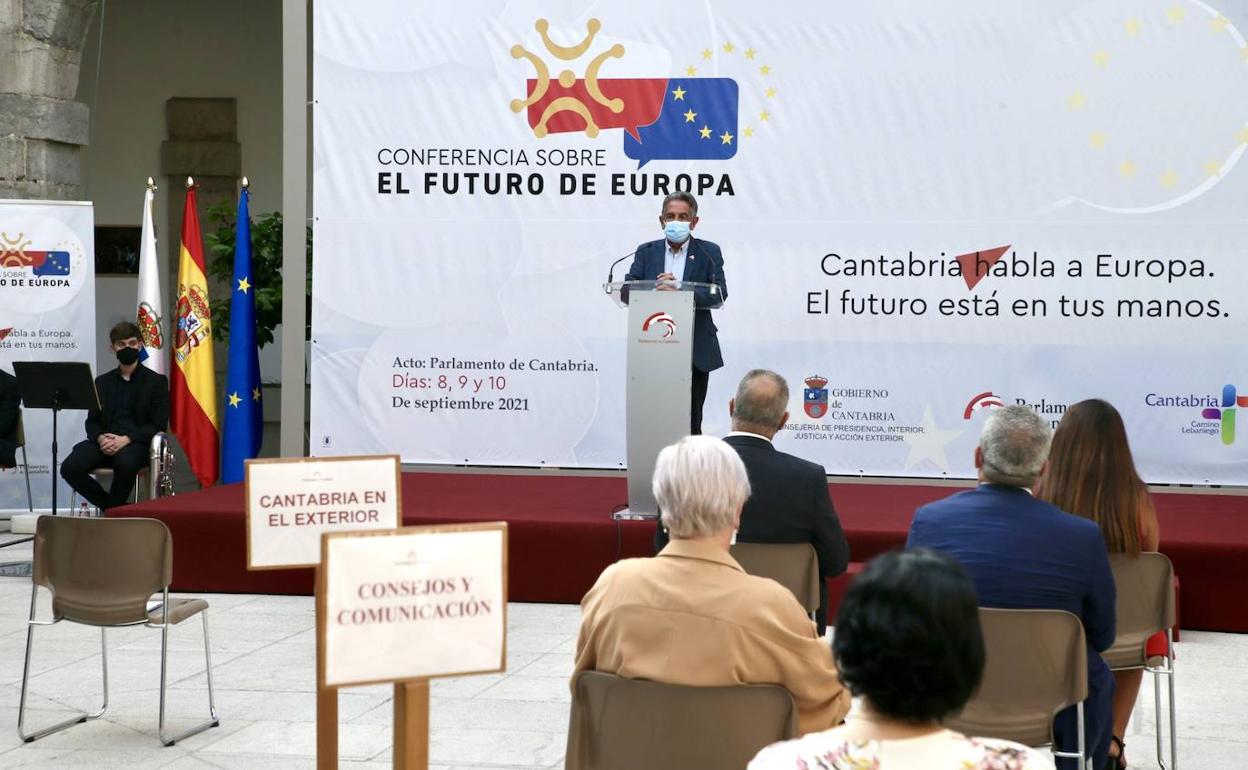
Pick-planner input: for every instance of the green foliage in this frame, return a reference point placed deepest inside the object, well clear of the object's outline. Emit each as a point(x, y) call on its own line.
point(266, 268)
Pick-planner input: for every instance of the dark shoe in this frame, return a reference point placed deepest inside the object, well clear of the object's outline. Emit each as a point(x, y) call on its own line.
point(1116, 762)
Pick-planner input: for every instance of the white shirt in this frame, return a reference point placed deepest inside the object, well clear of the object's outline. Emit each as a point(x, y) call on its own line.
point(674, 260)
point(747, 433)
point(944, 750)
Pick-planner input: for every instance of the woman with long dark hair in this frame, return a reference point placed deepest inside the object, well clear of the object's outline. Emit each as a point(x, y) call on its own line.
point(1091, 474)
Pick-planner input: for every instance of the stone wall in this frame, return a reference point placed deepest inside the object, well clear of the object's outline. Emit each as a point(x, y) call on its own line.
point(42, 128)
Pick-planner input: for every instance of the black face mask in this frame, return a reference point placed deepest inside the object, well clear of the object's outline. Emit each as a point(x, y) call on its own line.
point(127, 356)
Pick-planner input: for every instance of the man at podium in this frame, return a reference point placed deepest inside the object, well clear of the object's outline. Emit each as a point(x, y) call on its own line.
point(134, 407)
point(678, 256)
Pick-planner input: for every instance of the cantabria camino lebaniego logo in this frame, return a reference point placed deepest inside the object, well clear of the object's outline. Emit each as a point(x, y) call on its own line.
point(676, 118)
point(1225, 413)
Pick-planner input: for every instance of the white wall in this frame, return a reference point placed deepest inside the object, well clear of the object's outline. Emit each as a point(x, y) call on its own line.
point(154, 50)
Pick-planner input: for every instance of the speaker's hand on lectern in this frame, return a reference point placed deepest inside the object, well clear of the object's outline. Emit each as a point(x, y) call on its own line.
point(665, 282)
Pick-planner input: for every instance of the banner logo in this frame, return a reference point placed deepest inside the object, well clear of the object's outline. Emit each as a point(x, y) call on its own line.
point(815, 397)
point(1225, 413)
point(15, 252)
point(660, 318)
point(984, 400)
point(689, 118)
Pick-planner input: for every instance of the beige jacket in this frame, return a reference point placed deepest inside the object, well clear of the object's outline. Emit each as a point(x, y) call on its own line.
point(692, 616)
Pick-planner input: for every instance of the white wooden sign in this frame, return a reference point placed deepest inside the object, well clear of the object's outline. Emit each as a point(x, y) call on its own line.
point(291, 502)
point(414, 603)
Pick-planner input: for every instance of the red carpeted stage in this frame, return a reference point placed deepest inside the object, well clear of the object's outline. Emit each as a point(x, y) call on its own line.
point(562, 535)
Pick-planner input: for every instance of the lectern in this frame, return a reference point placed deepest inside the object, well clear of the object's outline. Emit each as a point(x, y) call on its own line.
point(659, 363)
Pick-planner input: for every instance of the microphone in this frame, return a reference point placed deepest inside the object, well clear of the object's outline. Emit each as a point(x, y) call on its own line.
point(611, 270)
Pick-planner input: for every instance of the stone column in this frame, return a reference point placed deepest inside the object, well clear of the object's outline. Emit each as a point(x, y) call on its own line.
point(42, 128)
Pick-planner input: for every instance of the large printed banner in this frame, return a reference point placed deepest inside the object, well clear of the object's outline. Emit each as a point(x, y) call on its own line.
point(926, 210)
point(47, 313)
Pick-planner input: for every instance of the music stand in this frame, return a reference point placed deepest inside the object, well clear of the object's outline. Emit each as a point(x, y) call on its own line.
point(56, 385)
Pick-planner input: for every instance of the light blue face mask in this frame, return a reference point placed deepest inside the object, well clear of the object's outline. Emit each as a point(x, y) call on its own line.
point(676, 231)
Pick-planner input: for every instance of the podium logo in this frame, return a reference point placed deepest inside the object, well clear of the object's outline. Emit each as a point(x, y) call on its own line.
point(1225, 412)
point(15, 251)
point(815, 396)
point(689, 118)
point(984, 400)
point(660, 319)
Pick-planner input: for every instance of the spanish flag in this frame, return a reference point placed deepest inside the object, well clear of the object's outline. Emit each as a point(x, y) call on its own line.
point(193, 386)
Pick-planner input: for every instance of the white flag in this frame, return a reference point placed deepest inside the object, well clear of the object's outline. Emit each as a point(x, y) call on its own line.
point(151, 311)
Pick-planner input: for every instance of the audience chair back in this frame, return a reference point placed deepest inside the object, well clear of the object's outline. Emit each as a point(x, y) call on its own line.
point(793, 565)
point(1145, 605)
point(624, 724)
point(19, 438)
point(19, 431)
point(101, 572)
point(1037, 665)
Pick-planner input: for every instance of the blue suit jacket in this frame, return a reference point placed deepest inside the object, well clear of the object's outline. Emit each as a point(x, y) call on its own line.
point(705, 264)
point(1024, 553)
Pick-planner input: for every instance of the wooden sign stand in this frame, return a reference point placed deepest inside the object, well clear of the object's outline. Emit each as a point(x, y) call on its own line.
point(411, 713)
point(411, 696)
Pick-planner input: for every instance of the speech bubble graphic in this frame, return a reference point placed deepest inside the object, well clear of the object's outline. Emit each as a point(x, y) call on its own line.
point(698, 122)
point(629, 103)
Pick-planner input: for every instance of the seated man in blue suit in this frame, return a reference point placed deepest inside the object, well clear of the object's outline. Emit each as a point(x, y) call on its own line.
point(1024, 553)
point(678, 256)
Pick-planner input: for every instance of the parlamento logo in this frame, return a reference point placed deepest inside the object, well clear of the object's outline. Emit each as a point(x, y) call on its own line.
point(1226, 412)
point(687, 118)
point(658, 318)
point(982, 401)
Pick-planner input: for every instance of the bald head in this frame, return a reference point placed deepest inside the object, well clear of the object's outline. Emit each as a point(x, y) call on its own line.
point(761, 404)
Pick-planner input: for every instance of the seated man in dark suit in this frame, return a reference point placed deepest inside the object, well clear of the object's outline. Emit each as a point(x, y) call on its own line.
point(1023, 553)
point(10, 401)
point(134, 407)
point(789, 501)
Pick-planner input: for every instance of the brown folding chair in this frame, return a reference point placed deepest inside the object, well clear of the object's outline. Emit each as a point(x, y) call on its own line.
point(624, 724)
point(103, 572)
point(793, 565)
point(1037, 665)
point(1146, 606)
point(19, 437)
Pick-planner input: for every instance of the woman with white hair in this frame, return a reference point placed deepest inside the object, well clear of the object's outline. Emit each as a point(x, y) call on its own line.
point(691, 615)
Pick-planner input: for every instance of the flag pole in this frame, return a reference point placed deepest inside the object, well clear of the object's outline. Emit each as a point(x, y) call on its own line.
point(151, 184)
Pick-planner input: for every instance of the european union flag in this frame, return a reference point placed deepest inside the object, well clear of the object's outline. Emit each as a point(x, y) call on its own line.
point(698, 122)
point(244, 407)
point(55, 263)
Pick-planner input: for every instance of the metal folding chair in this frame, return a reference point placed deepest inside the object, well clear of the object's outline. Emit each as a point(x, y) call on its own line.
point(1037, 665)
point(103, 572)
point(1146, 606)
point(793, 565)
point(623, 724)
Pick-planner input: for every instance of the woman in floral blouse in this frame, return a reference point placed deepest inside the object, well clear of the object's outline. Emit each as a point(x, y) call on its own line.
point(908, 644)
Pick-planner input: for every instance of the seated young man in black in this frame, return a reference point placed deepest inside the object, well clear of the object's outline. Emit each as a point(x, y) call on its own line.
point(134, 407)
